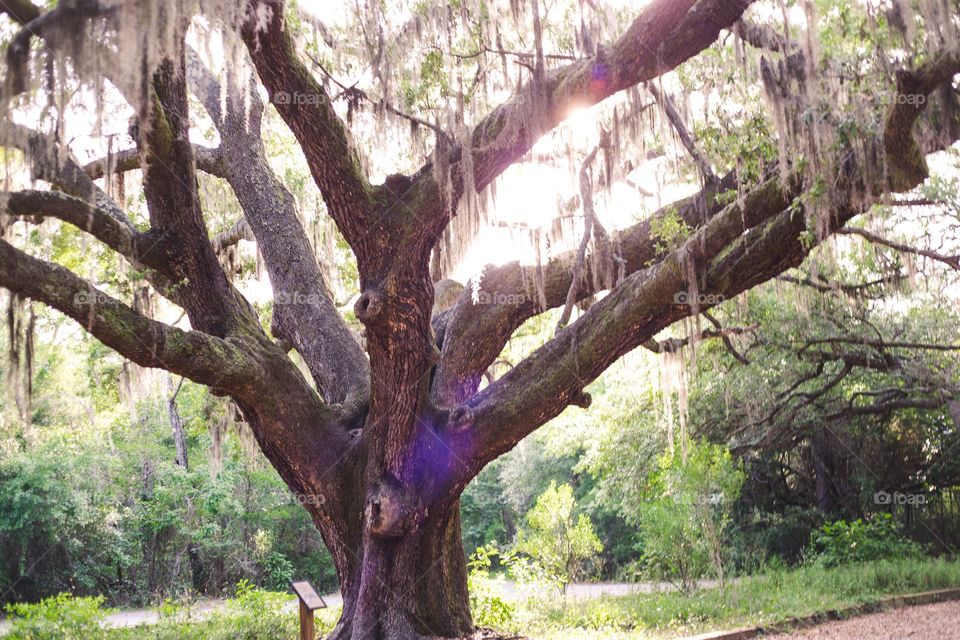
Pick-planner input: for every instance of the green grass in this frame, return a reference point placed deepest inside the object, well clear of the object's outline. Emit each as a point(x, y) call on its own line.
point(763, 599)
point(252, 615)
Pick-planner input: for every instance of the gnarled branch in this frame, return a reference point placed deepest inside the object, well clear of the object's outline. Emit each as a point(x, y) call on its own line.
point(306, 108)
point(951, 261)
point(305, 314)
point(198, 356)
point(123, 238)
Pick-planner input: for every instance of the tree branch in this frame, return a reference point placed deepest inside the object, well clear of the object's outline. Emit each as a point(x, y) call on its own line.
point(474, 335)
point(303, 438)
point(203, 358)
point(951, 261)
point(880, 344)
point(763, 37)
point(225, 239)
point(881, 408)
point(590, 223)
point(123, 238)
point(47, 162)
point(50, 26)
point(173, 202)
point(907, 162)
point(354, 92)
point(538, 388)
point(852, 290)
point(665, 34)
point(306, 108)
point(305, 313)
point(209, 160)
point(726, 338)
point(21, 11)
point(666, 102)
point(673, 345)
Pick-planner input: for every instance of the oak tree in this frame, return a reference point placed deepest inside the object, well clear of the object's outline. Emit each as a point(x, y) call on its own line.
point(384, 433)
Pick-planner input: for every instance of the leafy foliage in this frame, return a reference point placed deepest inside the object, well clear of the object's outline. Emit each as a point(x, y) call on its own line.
point(59, 617)
point(686, 514)
point(106, 510)
point(488, 606)
point(557, 539)
point(878, 538)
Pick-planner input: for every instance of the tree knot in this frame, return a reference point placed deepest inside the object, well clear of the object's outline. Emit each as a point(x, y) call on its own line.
point(460, 419)
point(390, 509)
point(369, 306)
point(582, 399)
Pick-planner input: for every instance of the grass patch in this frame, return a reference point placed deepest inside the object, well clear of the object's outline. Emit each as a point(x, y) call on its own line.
point(252, 615)
point(766, 599)
point(763, 599)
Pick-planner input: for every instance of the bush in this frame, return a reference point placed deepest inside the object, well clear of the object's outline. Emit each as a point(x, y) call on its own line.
point(685, 516)
point(563, 545)
point(488, 607)
point(61, 617)
point(758, 537)
point(53, 536)
point(878, 538)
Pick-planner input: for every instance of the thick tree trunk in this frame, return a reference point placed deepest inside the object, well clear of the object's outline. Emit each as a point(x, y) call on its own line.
point(410, 586)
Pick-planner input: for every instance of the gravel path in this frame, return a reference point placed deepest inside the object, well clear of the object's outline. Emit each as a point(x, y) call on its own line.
point(926, 622)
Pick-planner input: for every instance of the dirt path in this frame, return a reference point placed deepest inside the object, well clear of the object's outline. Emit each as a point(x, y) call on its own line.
point(926, 622)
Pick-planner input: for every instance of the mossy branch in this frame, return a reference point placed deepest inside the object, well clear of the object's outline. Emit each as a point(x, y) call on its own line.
point(201, 357)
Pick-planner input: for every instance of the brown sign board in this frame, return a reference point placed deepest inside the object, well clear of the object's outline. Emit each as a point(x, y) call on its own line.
point(308, 595)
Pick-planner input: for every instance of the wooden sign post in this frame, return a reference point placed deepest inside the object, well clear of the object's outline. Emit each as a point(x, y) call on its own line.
point(310, 600)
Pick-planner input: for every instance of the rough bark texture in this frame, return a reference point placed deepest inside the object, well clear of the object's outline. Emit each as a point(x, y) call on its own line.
point(379, 445)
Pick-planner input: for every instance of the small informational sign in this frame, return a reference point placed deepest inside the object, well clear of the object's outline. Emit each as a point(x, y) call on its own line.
point(310, 600)
point(308, 595)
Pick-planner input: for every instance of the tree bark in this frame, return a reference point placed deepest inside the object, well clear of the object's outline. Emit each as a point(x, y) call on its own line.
point(20, 330)
point(176, 425)
point(411, 586)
